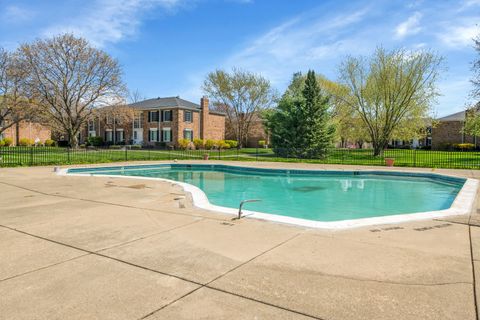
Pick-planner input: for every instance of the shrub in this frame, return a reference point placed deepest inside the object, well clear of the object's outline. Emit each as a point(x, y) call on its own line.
point(49, 143)
point(25, 142)
point(199, 143)
point(464, 146)
point(115, 146)
point(95, 141)
point(222, 144)
point(2, 143)
point(183, 143)
point(210, 144)
point(8, 142)
point(262, 143)
point(232, 143)
point(136, 146)
point(82, 146)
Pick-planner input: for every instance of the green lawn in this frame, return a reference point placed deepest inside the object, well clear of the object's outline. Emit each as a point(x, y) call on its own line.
point(17, 156)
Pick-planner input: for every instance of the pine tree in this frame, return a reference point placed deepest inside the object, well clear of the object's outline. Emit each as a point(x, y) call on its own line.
point(300, 127)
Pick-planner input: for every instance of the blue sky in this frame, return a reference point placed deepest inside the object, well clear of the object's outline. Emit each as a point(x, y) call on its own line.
point(166, 47)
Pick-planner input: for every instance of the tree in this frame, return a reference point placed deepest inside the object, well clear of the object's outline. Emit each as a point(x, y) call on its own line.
point(476, 69)
point(301, 125)
point(15, 105)
point(241, 95)
point(70, 78)
point(392, 90)
point(114, 115)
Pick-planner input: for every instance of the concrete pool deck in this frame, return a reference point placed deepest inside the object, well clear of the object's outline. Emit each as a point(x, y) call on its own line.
point(110, 248)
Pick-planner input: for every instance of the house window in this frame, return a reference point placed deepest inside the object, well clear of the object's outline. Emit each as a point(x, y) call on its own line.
point(166, 115)
point(187, 116)
point(167, 135)
point(153, 116)
point(135, 135)
point(153, 135)
point(109, 136)
point(91, 128)
point(109, 119)
point(137, 121)
point(188, 134)
point(119, 136)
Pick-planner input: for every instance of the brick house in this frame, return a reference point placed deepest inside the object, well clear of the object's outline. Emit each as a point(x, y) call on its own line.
point(160, 121)
point(448, 132)
point(27, 129)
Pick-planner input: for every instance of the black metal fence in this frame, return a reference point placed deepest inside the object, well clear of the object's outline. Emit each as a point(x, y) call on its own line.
point(33, 156)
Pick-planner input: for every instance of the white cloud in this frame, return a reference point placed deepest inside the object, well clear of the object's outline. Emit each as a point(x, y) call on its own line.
point(410, 26)
point(16, 14)
point(460, 35)
point(109, 21)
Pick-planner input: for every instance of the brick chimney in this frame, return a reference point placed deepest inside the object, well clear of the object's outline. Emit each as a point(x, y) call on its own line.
point(204, 117)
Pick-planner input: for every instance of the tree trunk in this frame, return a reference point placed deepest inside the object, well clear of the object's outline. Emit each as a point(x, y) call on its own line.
point(378, 147)
point(73, 139)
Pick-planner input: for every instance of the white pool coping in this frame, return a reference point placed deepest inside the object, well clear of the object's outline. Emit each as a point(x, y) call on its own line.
point(462, 205)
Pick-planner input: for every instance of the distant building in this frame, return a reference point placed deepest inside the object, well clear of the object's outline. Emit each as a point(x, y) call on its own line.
point(160, 121)
point(448, 132)
point(26, 129)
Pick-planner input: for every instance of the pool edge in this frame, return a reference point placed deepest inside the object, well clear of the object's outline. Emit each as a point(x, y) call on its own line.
point(462, 205)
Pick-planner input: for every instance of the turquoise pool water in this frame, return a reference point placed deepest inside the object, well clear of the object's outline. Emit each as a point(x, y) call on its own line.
point(312, 195)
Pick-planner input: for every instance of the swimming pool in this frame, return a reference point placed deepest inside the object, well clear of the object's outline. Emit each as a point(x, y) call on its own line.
point(308, 197)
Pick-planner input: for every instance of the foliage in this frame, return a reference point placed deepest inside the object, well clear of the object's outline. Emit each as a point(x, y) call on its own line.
point(199, 143)
point(262, 143)
point(49, 143)
point(25, 142)
point(8, 142)
point(183, 143)
point(67, 92)
point(2, 143)
point(301, 127)
point(95, 141)
point(464, 146)
point(472, 122)
point(210, 144)
point(241, 95)
point(221, 144)
point(232, 143)
point(115, 146)
point(393, 92)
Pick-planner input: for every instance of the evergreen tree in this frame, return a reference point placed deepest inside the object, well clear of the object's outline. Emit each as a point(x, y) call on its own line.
point(300, 127)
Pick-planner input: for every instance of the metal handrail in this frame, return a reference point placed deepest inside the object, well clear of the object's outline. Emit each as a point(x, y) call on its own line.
point(241, 205)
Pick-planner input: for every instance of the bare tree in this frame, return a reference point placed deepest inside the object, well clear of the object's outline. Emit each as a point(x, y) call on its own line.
point(70, 78)
point(15, 105)
point(114, 116)
point(135, 96)
point(392, 91)
point(240, 95)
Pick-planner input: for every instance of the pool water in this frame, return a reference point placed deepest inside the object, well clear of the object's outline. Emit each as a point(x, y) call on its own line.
point(312, 195)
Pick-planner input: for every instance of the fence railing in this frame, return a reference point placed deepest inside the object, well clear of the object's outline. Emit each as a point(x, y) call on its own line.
point(34, 156)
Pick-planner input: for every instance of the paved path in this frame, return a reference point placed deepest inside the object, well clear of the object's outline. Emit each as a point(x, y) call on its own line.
point(106, 248)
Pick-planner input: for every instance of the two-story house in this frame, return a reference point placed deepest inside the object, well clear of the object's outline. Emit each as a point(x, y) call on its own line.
point(159, 121)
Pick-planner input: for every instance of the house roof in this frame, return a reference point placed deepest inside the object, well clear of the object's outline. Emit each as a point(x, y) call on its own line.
point(169, 102)
point(459, 116)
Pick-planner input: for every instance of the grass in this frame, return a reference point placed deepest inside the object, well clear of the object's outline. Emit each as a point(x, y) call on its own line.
point(17, 156)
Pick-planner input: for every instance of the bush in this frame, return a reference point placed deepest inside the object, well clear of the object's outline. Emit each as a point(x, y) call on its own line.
point(183, 143)
point(25, 142)
point(95, 141)
point(262, 143)
point(8, 142)
point(82, 146)
point(49, 143)
point(116, 146)
point(136, 146)
point(232, 143)
point(210, 144)
point(464, 146)
point(199, 143)
point(2, 143)
point(222, 144)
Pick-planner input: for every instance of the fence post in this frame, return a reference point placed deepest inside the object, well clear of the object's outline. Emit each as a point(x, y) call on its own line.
point(68, 154)
point(219, 151)
point(126, 155)
point(256, 154)
point(414, 157)
point(31, 156)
